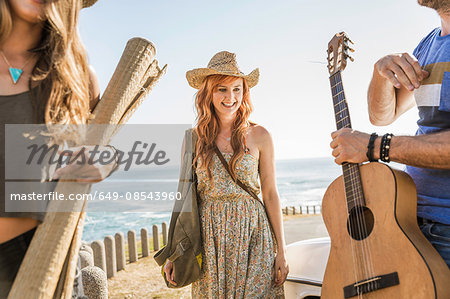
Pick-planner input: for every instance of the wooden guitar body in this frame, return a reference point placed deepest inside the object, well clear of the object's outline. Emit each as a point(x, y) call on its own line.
point(395, 242)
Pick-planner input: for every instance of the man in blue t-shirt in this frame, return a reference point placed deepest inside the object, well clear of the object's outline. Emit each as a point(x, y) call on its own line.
point(398, 80)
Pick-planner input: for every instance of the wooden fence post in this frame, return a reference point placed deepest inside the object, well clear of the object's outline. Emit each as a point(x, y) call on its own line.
point(99, 254)
point(120, 251)
point(132, 246)
point(164, 233)
point(110, 254)
point(155, 237)
point(144, 242)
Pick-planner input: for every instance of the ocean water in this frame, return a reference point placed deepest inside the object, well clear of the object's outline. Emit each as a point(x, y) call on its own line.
point(300, 182)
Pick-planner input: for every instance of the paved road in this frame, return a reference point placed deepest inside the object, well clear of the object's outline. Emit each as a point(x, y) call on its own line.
point(306, 227)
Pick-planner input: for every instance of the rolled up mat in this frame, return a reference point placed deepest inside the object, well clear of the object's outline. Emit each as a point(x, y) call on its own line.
point(41, 268)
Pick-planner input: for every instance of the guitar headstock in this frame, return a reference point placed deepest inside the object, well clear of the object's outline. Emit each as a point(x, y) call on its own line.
point(338, 49)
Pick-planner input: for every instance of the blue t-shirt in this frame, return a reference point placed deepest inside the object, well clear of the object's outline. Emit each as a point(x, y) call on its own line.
point(433, 102)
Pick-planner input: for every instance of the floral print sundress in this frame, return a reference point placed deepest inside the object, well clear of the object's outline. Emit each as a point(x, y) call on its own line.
point(238, 246)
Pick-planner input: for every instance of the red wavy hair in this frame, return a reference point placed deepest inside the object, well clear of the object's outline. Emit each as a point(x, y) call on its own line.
point(207, 127)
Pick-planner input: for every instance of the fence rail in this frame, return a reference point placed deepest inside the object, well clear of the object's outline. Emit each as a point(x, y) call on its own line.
point(114, 253)
point(302, 210)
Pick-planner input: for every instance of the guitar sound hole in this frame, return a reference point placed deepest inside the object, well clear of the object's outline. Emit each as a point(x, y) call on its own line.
point(360, 223)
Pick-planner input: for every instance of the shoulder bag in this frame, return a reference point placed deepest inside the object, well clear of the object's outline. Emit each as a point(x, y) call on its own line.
point(184, 245)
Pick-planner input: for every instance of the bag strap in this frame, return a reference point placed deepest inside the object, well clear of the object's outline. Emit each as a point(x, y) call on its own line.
point(190, 139)
point(243, 186)
point(240, 184)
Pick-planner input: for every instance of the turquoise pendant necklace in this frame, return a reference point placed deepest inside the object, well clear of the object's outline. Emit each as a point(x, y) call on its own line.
point(15, 73)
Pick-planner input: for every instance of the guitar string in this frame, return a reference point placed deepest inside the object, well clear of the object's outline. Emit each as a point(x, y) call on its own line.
point(360, 219)
point(356, 269)
point(363, 246)
point(356, 180)
point(361, 223)
point(360, 240)
point(360, 250)
point(371, 285)
point(360, 255)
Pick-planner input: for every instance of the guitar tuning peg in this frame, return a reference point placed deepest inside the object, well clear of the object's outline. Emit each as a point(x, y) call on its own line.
point(347, 39)
point(349, 57)
point(346, 47)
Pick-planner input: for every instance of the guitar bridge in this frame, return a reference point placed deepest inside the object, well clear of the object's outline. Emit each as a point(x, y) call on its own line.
point(371, 284)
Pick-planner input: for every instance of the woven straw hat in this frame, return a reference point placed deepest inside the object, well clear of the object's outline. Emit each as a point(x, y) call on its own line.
point(88, 3)
point(223, 63)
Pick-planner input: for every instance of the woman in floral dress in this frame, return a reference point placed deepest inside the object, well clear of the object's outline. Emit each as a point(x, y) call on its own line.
point(244, 252)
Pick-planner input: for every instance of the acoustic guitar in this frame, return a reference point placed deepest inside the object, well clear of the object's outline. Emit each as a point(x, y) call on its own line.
point(377, 249)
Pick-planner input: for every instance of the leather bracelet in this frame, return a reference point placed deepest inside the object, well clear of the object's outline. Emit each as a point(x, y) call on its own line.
point(370, 147)
point(385, 146)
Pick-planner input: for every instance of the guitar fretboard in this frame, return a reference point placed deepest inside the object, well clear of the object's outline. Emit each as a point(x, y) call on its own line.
point(352, 178)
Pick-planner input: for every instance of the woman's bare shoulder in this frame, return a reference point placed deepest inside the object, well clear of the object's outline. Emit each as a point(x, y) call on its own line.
point(259, 136)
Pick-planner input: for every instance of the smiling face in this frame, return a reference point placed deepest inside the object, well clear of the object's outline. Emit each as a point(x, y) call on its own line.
point(31, 11)
point(227, 97)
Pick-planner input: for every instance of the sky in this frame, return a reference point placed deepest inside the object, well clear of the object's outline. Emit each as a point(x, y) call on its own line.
point(287, 40)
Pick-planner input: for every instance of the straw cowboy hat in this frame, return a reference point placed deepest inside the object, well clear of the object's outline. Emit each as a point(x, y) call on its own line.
point(223, 63)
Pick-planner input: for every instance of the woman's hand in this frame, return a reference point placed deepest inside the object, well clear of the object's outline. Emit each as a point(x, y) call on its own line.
point(281, 269)
point(168, 271)
point(87, 164)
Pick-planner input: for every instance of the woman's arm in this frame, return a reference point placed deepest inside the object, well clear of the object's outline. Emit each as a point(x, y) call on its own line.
point(271, 199)
point(94, 88)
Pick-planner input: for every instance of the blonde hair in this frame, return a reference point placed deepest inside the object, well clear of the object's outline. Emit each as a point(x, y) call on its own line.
point(5, 20)
point(62, 70)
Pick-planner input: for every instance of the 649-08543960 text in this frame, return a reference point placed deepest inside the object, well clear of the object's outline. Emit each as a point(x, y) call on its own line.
point(98, 195)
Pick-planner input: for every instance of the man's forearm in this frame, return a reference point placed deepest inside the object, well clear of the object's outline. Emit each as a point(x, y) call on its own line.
point(390, 92)
point(381, 100)
point(426, 151)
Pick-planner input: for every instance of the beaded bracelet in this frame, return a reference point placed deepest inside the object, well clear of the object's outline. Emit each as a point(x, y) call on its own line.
point(384, 147)
point(370, 147)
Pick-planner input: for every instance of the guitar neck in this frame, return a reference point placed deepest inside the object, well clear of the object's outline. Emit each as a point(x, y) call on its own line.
point(352, 178)
point(341, 113)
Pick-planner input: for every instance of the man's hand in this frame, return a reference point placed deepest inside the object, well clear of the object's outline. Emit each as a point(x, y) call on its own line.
point(350, 146)
point(401, 69)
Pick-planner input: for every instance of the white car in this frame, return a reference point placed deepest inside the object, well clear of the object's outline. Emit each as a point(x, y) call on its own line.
point(307, 262)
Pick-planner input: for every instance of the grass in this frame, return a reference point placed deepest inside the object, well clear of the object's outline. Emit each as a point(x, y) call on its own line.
point(143, 280)
point(139, 247)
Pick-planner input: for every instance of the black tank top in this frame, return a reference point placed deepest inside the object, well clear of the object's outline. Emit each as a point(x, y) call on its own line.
point(14, 109)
